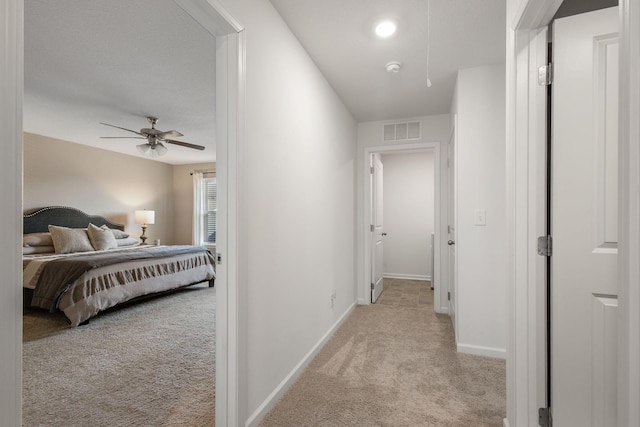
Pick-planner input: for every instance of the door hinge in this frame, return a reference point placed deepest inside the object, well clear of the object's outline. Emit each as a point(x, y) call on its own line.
point(372, 286)
point(372, 227)
point(372, 170)
point(219, 259)
point(545, 246)
point(544, 417)
point(448, 296)
point(545, 75)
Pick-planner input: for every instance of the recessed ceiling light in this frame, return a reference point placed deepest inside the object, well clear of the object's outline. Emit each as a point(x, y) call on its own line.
point(385, 29)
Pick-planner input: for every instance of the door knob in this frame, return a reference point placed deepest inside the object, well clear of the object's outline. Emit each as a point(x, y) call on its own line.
point(384, 234)
point(451, 242)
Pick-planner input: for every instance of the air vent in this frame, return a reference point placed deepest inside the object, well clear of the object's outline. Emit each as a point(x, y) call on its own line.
point(402, 131)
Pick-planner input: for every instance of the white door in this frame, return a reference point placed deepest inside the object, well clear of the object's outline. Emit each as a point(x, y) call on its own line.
point(584, 177)
point(451, 220)
point(377, 233)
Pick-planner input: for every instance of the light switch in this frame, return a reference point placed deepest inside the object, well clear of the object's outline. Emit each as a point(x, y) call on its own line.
point(481, 217)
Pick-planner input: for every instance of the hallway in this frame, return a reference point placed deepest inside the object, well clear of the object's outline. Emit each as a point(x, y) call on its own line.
point(394, 364)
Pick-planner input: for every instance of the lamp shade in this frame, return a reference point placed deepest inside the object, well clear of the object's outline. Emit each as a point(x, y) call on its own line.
point(145, 217)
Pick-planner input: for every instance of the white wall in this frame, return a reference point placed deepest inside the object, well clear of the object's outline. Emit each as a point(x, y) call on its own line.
point(481, 250)
point(435, 129)
point(408, 213)
point(298, 204)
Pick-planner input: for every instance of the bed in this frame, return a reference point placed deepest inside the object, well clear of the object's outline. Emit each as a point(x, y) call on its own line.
point(84, 264)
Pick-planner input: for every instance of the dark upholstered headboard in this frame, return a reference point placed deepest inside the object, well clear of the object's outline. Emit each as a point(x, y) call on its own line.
point(38, 220)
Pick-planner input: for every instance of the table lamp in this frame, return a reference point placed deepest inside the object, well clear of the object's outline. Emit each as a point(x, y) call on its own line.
point(145, 217)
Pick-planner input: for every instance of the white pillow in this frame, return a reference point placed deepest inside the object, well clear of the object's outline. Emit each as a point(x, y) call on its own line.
point(32, 250)
point(37, 239)
point(68, 240)
point(101, 239)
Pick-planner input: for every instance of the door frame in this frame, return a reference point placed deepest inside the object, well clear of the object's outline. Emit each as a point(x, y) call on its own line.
point(525, 129)
point(230, 89)
point(368, 151)
point(452, 219)
point(231, 332)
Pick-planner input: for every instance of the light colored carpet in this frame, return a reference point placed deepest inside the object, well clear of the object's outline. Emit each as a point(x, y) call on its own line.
point(406, 293)
point(395, 365)
point(147, 364)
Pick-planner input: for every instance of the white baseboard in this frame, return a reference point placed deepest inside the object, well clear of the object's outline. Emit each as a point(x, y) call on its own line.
point(505, 422)
point(406, 276)
point(499, 353)
point(277, 393)
point(363, 301)
point(442, 310)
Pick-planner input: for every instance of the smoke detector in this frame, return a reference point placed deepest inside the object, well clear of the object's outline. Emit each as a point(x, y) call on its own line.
point(393, 67)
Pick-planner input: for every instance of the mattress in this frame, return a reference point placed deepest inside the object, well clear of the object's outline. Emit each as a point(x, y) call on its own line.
point(103, 287)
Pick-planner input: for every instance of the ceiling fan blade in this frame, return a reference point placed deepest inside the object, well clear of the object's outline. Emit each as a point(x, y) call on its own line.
point(169, 134)
point(123, 137)
point(118, 127)
point(160, 134)
point(185, 144)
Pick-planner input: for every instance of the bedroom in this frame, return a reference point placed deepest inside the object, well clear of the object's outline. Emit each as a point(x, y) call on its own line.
point(58, 171)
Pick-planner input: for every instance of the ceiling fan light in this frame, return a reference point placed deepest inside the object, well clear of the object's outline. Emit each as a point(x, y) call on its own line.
point(159, 150)
point(143, 148)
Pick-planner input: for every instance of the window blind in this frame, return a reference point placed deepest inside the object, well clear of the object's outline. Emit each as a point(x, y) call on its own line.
point(211, 209)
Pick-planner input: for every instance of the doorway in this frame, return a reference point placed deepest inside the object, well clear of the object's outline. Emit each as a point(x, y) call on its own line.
point(424, 249)
point(230, 53)
point(526, 129)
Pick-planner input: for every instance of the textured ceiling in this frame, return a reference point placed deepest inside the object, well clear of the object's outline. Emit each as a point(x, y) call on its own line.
point(118, 61)
point(339, 36)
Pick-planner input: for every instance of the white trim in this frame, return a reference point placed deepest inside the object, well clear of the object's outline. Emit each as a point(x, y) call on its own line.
point(11, 83)
point(525, 148)
point(478, 350)
point(364, 289)
point(230, 51)
point(291, 378)
point(452, 215)
point(420, 277)
point(629, 216)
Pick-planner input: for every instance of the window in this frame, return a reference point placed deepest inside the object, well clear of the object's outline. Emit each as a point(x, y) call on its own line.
point(211, 195)
point(205, 209)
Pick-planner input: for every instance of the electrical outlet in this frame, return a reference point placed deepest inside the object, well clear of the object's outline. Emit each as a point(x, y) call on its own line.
point(332, 297)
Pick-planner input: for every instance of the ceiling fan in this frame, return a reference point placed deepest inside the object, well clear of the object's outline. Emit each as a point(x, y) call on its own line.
point(155, 138)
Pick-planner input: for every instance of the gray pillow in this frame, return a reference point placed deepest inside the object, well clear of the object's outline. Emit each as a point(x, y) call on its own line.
point(130, 241)
point(117, 233)
point(101, 239)
point(68, 240)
